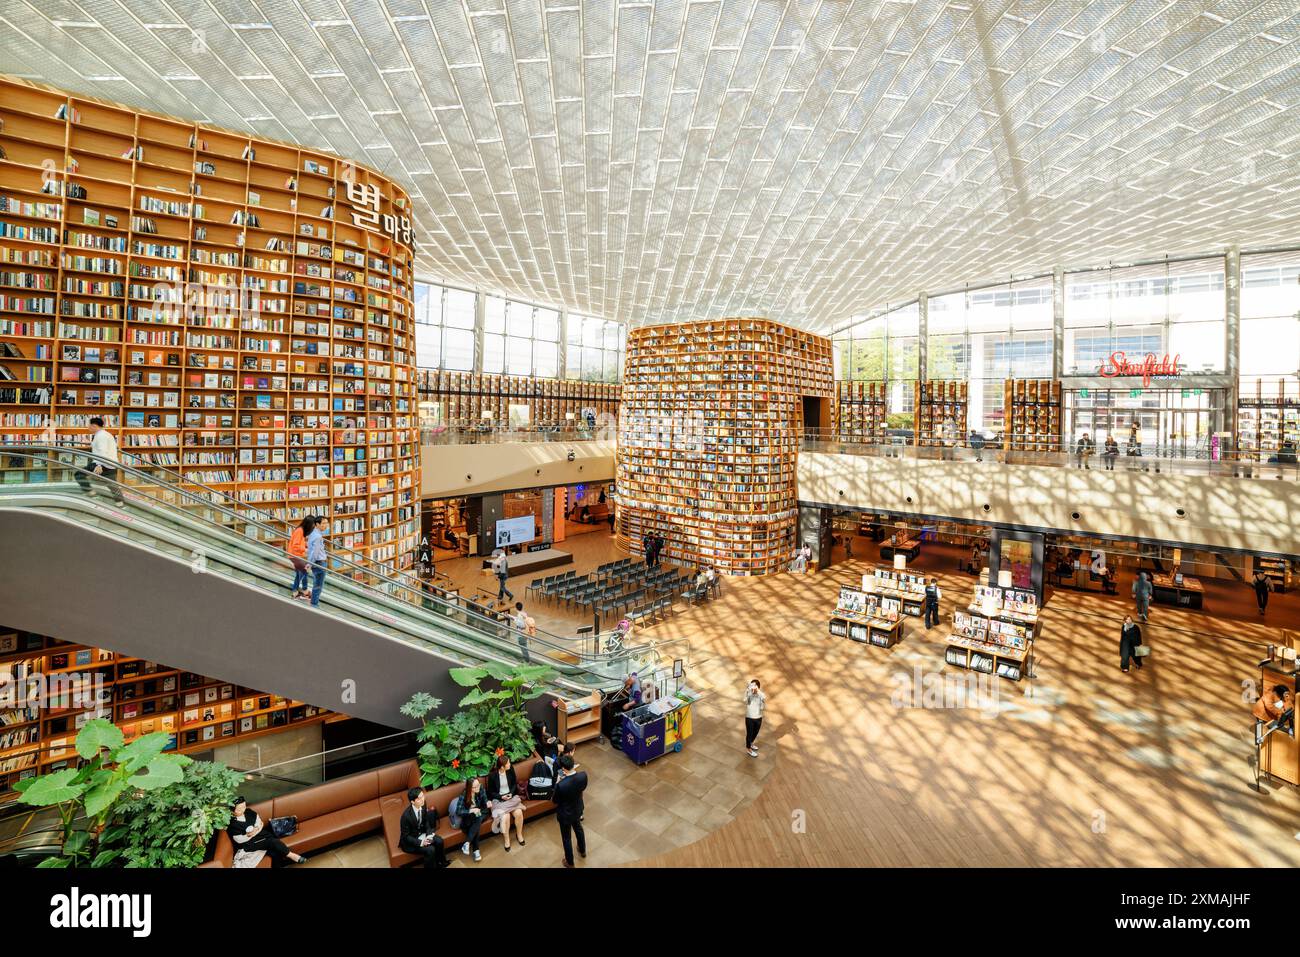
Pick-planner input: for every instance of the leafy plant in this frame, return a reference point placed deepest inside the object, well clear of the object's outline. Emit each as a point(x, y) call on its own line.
point(87, 797)
point(171, 826)
point(491, 722)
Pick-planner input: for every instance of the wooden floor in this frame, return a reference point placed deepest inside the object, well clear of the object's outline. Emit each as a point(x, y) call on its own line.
point(1088, 767)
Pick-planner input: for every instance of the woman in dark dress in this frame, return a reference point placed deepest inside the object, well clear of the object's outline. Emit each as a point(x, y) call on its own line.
point(250, 833)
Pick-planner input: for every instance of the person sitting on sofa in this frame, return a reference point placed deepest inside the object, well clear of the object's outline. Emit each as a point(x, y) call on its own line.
point(417, 831)
point(504, 801)
point(468, 811)
point(249, 833)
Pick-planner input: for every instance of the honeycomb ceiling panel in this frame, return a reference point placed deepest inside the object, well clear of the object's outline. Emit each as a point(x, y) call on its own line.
point(810, 160)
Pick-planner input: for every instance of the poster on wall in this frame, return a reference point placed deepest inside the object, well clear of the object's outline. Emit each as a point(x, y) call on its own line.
point(516, 531)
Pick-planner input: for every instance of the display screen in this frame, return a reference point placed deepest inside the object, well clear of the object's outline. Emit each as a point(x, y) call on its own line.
point(516, 531)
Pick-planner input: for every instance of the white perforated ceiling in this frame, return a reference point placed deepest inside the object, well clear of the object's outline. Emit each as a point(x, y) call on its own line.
point(801, 159)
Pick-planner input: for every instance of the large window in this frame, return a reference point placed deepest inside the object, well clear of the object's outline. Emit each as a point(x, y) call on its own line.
point(1174, 308)
point(444, 328)
point(595, 349)
point(519, 338)
point(1270, 317)
point(984, 336)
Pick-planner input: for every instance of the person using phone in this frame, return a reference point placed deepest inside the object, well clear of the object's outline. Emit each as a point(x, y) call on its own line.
point(416, 830)
point(755, 705)
point(249, 833)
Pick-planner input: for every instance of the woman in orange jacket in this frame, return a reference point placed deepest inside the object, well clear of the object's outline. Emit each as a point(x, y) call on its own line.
point(297, 549)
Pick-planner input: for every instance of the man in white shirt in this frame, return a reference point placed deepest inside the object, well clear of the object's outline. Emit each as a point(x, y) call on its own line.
point(501, 568)
point(103, 461)
point(520, 623)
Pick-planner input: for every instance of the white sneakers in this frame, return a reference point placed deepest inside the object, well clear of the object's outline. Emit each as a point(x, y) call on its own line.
point(464, 848)
point(478, 856)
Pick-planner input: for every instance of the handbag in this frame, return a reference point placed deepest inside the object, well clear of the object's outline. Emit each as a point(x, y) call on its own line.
point(284, 826)
point(1141, 651)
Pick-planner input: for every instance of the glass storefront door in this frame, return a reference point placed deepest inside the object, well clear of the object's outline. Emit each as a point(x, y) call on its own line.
point(1175, 423)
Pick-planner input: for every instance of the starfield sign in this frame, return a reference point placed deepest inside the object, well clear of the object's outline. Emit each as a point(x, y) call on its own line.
point(1149, 367)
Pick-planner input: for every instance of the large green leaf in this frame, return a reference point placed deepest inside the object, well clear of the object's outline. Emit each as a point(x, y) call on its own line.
point(101, 797)
point(52, 788)
point(477, 696)
point(467, 677)
point(77, 843)
point(104, 858)
point(163, 770)
point(137, 755)
point(532, 674)
point(499, 670)
point(98, 735)
point(50, 862)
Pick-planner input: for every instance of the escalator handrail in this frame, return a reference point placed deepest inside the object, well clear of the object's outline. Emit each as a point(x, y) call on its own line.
point(451, 644)
point(492, 629)
point(418, 593)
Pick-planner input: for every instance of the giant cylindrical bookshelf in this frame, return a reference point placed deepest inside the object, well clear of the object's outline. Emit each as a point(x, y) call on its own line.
point(235, 308)
point(710, 422)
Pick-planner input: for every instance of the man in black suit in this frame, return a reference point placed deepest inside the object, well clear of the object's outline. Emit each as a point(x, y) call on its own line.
point(569, 809)
point(417, 831)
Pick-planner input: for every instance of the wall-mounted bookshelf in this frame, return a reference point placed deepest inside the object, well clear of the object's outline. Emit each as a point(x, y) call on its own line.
point(83, 682)
point(1032, 415)
point(1277, 571)
point(940, 412)
point(1267, 416)
point(194, 288)
point(463, 397)
point(860, 411)
point(710, 424)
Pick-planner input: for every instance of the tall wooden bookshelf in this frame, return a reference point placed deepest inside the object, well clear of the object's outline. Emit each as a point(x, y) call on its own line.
point(940, 408)
point(465, 396)
point(195, 288)
point(1267, 416)
point(709, 431)
point(37, 734)
point(860, 411)
point(1032, 415)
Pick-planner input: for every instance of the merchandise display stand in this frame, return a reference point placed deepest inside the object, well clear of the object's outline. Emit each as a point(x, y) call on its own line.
point(866, 617)
point(906, 587)
point(995, 633)
point(578, 719)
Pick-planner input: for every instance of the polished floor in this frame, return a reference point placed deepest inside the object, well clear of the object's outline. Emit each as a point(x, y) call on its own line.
point(1083, 766)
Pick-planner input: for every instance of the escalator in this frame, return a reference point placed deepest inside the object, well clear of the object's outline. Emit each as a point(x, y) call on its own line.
point(186, 575)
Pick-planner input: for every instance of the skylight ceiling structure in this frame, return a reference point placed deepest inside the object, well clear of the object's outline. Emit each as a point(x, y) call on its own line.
point(805, 160)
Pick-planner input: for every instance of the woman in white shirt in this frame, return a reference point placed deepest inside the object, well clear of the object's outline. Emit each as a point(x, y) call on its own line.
point(755, 705)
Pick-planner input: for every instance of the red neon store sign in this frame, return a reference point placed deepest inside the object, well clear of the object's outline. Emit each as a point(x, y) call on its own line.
point(1149, 367)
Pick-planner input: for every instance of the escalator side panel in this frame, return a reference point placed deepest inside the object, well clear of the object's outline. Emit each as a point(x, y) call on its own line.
point(73, 582)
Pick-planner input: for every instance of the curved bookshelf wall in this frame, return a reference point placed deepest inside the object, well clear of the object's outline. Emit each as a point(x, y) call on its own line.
point(711, 415)
point(235, 308)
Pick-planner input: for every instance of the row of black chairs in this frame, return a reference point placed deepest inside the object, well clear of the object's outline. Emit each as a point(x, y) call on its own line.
point(551, 583)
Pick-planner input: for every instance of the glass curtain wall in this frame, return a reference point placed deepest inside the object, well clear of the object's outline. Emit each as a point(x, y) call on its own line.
point(987, 335)
point(884, 348)
point(519, 338)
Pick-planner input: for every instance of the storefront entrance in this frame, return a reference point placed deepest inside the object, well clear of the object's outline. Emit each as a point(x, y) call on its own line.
point(1176, 423)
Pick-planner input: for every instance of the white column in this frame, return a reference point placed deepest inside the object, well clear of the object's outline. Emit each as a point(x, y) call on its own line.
point(1232, 338)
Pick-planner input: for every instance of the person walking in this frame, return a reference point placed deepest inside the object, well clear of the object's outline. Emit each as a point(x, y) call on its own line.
point(316, 558)
point(755, 705)
point(103, 461)
point(297, 549)
point(569, 808)
point(1261, 586)
point(501, 568)
point(932, 596)
point(1130, 636)
point(1142, 590)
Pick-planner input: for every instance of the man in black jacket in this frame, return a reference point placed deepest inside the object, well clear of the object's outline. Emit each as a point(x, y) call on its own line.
point(569, 809)
point(417, 831)
point(1130, 636)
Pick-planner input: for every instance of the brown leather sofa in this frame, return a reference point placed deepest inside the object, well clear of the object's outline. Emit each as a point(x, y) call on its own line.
point(359, 804)
point(391, 808)
point(331, 812)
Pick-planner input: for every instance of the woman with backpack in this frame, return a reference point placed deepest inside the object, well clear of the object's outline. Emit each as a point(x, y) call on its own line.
point(297, 549)
point(468, 811)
